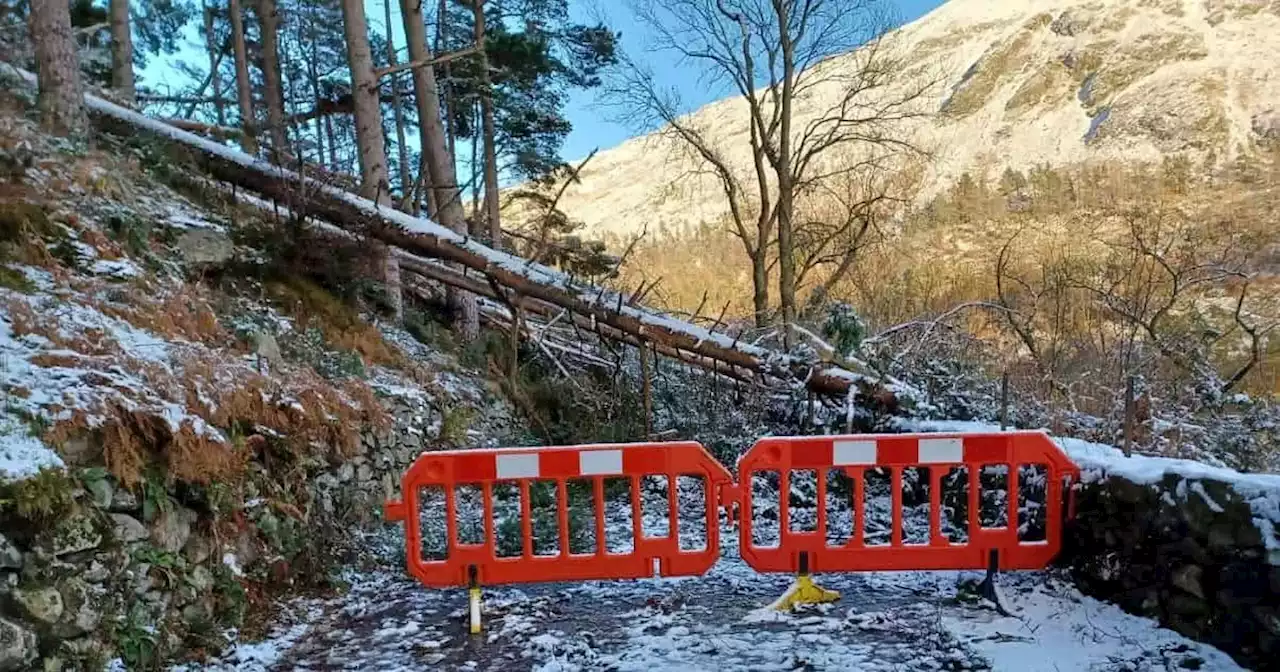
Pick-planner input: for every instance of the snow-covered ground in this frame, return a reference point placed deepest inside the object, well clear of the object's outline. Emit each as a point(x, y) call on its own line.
point(884, 621)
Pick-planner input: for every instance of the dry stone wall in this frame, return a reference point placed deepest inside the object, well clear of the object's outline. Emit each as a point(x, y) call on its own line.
point(145, 576)
point(1201, 555)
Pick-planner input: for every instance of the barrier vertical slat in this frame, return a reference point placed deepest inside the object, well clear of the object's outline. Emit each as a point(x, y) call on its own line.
point(637, 514)
point(1053, 502)
point(784, 505)
point(936, 538)
point(895, 489)
point(711, 530)
point(526, 521)
point(975, 502)
point(562, 516)
point(490, 544)
point(822, 505)
point(450, 517)
point(859, 517)
point(597, 488)
point(673, 503)
point(1013, 500)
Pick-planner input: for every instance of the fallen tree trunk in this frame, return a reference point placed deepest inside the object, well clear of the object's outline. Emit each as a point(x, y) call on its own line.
point(448, 276)
point(598, 306)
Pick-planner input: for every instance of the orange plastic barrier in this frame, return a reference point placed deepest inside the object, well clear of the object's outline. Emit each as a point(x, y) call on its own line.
point(482, 470)
point(804, 551)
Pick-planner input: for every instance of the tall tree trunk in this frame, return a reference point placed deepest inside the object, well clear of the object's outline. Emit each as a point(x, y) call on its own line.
point(439, 160)
point(273, 92)
point(61, 99)
point(371, 146)
point(121, 50)
point(215, 80)
point(786, 186)
point(244, 95)
point(760, 284)
point(490, 150)
point(397, 109)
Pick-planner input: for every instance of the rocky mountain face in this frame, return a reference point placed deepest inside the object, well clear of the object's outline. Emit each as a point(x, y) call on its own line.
point(1020, 83)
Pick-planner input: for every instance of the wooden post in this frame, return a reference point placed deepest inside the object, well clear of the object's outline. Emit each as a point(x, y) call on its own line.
point(1128, 416)
point(808, 411)
point(1004, 401)
point(646, 390)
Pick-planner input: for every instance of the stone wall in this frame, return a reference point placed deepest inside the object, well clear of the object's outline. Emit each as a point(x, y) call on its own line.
point(149, 574)
point(1189, 552)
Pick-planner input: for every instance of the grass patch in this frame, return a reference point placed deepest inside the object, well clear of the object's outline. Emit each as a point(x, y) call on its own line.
point(338, 323)
point(455, 423)
point(41, 499)
point(11, 278)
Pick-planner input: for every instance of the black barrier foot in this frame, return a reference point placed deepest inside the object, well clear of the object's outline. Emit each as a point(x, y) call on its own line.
point(988, 588)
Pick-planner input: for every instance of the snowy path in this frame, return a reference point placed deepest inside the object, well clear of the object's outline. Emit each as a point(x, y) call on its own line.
point(884, 621)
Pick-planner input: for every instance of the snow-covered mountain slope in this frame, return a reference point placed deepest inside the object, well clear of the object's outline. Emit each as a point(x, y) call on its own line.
point(1020, 83)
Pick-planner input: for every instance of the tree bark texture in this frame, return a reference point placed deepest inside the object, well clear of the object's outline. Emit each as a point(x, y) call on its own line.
point(121, 50)
point(60, 99)
point(491, 203)
point(370, 145)
point(272, 90)
point(397, 110)
point(244, 94)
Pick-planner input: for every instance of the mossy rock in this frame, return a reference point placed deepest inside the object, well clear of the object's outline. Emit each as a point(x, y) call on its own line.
point(77, 532)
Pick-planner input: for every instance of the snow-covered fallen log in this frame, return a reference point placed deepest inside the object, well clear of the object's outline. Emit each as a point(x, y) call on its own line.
point(422, 237)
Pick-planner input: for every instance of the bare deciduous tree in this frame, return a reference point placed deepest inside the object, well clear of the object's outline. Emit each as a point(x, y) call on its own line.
point(772, 54)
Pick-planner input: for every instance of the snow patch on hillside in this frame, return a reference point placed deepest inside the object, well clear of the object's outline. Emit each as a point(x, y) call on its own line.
point(22, 455)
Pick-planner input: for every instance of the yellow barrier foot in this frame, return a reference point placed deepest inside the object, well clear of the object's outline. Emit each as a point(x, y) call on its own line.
point(804, 591)
point(475, 611)
point(473, 595)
